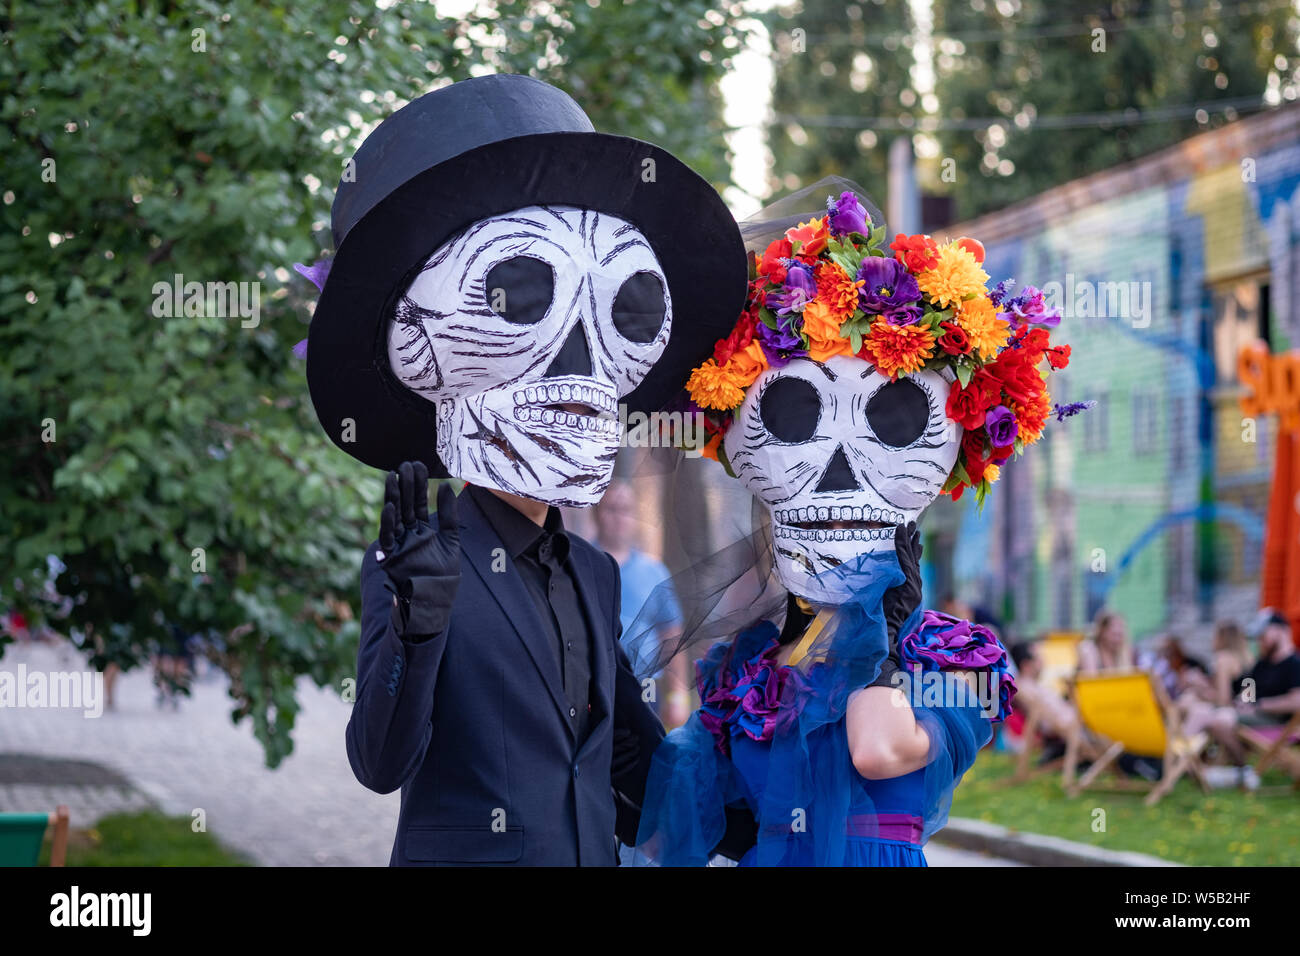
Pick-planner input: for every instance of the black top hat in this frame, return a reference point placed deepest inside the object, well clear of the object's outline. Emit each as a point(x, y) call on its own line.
point(479, 148)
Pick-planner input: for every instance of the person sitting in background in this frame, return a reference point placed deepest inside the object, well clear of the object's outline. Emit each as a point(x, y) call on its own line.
point(1266, 695)
point(1231, 661)
point(1109, 648)
point(1056, 718)
point(642, 595)
point(1271, 688)
point(1180, 673)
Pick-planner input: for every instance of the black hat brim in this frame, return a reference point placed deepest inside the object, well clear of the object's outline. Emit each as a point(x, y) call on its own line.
point(360, 403)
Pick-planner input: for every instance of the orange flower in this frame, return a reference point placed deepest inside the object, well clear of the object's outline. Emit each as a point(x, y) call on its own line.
point(747, 364)
point(823, 330)
point(837, 290)
point(1032, 416)
point(979, 320)
point(811, 235)
point(896, 349)
point(710, 450)
point(712, 386)
point(974, 247)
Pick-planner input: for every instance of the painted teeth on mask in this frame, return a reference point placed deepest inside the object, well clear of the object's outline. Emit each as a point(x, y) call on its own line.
point(833, 534)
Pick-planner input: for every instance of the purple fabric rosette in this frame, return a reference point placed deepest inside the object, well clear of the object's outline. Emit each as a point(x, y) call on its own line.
point(947, 643)
point(745, 696)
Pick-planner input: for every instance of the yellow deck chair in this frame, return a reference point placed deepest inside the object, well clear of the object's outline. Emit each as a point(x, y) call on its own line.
point(1131, 713)
point(1059, 653)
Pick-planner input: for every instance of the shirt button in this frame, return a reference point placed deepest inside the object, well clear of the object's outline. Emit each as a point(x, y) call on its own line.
point(573, 712)
point(569, 645)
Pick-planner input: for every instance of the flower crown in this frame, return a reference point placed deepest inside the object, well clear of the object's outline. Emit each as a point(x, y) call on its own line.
point(828, 288)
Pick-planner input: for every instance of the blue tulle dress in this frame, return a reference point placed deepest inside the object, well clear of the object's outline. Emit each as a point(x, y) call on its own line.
point(773, 738)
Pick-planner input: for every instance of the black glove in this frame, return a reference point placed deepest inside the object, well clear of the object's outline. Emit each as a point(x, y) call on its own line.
point(422, 563)
point(901, 601)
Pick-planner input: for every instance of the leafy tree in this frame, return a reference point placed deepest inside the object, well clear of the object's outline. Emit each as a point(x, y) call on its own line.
point(835, 62)
point(172, 461)
point(1029, 62)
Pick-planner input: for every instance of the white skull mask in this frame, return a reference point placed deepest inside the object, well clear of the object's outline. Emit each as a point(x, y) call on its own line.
point(526, 330)
point(841, 456)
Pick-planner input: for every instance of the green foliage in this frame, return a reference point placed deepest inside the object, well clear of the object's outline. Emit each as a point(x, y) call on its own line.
point(850, 60)
point(1040, 59)
point(212, 155)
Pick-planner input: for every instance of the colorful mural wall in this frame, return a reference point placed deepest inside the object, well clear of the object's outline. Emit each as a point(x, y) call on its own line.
point(1154, 501)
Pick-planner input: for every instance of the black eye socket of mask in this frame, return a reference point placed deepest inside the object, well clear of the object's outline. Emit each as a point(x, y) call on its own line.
point(898, 413)
point(520, 289)
point(640, 307)
point(790, 408)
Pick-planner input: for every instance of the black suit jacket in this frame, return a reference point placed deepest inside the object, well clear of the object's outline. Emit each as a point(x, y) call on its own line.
point(473, 727)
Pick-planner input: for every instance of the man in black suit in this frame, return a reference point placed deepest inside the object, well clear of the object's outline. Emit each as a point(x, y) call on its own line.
point(494, 691)
point(505, 279)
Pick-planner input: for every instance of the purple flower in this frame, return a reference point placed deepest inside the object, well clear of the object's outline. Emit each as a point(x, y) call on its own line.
point(1001, 424)
point(779, 344)
point(300, 349)
point(846, 215)
point(799, 288)
point(889, 290)
point(999, 293)
point(317, 272)
point(1029, 308)
point(1068, 411)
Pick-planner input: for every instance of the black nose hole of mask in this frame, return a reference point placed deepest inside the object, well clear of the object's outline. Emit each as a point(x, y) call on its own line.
point(574, 357)
point(838, 475)
point(898, 413)
point(789, 408)
point(520, 289)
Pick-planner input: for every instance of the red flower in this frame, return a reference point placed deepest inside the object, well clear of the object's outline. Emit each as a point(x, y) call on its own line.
point(770, 265)
point(968, 405)
point(739, 338)
point(973, 457)
point(1058, 357)
point(918, 253)
point(954, 340)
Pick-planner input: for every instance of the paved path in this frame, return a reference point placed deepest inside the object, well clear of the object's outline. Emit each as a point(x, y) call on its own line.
point(308, 811)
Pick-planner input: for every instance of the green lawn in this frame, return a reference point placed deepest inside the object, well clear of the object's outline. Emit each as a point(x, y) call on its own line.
point(1223, 828)
point(1226, 827)
point(144, 839)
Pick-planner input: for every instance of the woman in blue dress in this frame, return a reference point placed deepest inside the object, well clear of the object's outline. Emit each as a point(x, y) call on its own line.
point(856, 387)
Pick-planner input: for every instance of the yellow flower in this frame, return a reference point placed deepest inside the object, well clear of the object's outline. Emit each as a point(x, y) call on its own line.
point(979, 320)
point(991, 473)
point(956, 276)
point(711, 386)
point(823, 330)
point(897, 349)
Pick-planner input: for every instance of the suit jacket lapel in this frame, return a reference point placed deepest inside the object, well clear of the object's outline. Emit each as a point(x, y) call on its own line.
point(478, 541)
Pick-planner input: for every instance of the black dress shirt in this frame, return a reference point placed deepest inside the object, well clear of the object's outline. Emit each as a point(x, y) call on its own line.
point(542, 556)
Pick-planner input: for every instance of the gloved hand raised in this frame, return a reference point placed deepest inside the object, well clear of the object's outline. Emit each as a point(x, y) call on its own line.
point(422, 562)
